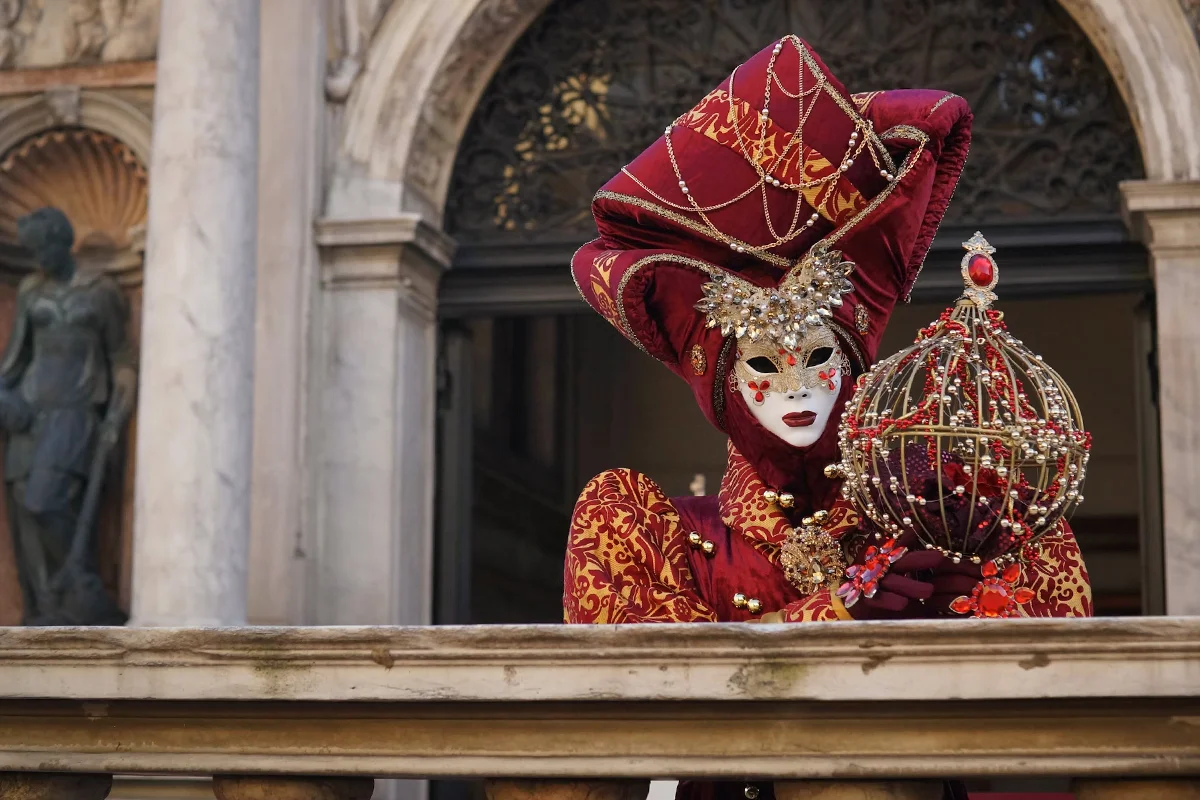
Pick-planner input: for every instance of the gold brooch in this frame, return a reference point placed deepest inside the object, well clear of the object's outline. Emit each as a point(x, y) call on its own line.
point(862, 319)
point(699, 360)
point(811, 558)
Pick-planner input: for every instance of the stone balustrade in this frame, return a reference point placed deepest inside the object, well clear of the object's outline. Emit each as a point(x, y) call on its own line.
point(845, 710)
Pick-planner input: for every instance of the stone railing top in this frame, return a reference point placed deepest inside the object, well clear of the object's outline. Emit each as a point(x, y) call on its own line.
point(934, 660)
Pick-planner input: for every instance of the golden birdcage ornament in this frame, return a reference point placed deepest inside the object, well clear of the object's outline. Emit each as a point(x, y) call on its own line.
point(966, 439)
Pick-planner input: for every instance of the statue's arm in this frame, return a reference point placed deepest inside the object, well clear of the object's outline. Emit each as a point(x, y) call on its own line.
point(122, 357)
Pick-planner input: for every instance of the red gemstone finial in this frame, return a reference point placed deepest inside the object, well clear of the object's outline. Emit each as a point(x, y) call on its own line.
point(979, 270)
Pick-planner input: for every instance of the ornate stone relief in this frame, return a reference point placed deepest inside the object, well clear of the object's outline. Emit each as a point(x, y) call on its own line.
point(352, 24)
point(469, 63)
point(97, 182)
point(56, 33)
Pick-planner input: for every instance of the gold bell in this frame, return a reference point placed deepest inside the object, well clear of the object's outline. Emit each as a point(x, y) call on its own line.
point(753, 605)
point(751, 792)
point(770, 495)
point(709, 549)
point(739, 600)
point(786, 500)
point(835, 471)
point(694, 539)
point(819, 517)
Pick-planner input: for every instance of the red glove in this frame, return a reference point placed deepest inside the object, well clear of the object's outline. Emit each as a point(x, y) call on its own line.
point(904, 581)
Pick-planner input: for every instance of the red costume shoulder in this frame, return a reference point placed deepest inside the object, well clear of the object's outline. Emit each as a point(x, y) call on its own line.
point(627, 558)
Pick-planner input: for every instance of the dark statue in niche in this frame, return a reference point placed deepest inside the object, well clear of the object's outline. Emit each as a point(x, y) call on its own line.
point(67, 385)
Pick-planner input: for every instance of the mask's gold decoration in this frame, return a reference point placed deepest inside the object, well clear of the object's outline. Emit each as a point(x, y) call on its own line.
point(966, 438)
point(816, 363)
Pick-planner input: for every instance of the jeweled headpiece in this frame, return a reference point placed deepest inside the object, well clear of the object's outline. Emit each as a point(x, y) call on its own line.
point(783, 314)
point(966, 438)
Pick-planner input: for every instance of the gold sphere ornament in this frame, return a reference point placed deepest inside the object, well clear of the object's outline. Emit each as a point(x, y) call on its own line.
point(966, 438)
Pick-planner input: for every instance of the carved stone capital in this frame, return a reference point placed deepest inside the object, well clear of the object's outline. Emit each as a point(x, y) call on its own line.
point(858, 790)
point(53, 786)
point(1164, 215)
point(566, 790)
point(265, 787)
point(403, 253)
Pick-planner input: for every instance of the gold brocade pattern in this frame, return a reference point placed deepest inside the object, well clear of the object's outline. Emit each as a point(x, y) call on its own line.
point(725, 120)
point(602, 287)
point(627, 556)
point(817, 607)
point(745, 509)
point(1058, 578)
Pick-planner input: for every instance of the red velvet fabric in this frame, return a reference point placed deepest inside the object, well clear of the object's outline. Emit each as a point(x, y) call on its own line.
point(645, 271)
point(735, 567)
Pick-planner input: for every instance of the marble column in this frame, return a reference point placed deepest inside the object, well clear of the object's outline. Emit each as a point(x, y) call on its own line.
point(289, 191)
point(374, 428)
point(192, 504)
point(1166, 216)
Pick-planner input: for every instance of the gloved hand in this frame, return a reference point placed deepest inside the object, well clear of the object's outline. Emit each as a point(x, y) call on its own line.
point(907, 581)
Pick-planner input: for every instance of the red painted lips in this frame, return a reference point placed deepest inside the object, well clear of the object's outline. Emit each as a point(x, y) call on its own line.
point(800, 419)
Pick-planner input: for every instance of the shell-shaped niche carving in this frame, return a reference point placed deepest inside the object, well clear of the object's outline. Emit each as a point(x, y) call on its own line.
point(92, 177)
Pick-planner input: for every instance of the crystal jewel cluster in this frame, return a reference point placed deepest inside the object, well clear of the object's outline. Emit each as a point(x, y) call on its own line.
point(803, 300)
point(965, 438)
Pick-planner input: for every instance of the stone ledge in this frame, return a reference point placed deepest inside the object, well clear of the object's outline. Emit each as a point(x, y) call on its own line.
point(933, 660)
point(872, 701)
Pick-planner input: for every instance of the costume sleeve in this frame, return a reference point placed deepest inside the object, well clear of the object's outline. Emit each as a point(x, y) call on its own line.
point(627, 556)
point(1058, 578)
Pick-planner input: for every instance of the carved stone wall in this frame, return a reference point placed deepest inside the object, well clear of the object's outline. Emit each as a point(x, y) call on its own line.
point(55, 33)
point(352, 26)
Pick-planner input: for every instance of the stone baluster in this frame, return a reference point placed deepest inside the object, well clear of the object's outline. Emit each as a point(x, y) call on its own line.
point(858, 790)
point(53, 786)
point(566, 790)
point(271, 787)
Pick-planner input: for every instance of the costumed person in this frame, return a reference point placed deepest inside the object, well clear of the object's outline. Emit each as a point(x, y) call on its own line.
point(757, 249)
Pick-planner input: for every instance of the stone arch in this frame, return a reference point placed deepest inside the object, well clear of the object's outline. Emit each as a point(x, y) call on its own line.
point(70, 107)
point(427, 67)
point(1154, 58)
point(407, 113)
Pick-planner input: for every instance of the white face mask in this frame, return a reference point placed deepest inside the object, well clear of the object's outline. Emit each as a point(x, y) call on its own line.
point(792, 394)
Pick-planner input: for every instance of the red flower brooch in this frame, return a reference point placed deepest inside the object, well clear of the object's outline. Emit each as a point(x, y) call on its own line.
point(997, 595)
point(864, 577)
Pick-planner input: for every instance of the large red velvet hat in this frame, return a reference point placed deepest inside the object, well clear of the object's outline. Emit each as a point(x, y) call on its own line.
point(775, 160)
